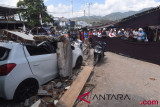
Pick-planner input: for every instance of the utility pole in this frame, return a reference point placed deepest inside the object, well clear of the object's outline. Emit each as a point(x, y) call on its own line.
point(72, 6)
point(89, 6)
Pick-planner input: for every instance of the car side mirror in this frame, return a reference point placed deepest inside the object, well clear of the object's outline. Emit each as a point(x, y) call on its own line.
point(72, 47)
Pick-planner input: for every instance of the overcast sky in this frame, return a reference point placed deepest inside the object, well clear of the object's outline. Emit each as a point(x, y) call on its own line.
point(59, 8)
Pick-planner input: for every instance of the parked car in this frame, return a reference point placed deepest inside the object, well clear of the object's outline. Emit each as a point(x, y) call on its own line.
point(23, 68)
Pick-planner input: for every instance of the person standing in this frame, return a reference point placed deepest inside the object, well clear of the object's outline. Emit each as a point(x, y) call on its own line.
point(86, 37)
point(126, 34)
point(82, 35)
point(90, 36)
point(140, 35)
point(79, 34)
point(111, 34)
point(104, 32)
point(135, 34)
point(107, 32)
point(94, 33)
point(99, 33)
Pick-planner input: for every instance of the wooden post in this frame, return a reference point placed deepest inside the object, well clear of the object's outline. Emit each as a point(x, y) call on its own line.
point(71, 95)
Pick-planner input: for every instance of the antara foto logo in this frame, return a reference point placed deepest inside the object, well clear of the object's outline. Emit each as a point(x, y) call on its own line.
point(86, 94)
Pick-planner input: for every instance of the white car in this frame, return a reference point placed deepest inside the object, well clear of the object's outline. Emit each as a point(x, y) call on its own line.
point(23, 68)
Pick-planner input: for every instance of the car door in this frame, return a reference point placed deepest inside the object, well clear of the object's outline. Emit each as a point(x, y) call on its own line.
point(43, 62)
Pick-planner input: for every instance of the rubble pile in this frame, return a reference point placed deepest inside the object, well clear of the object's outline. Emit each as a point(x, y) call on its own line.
point(50, 93)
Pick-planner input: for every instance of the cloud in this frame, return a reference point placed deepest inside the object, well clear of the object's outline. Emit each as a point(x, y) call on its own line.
point(111, 6)
point(46, 0)
point(108, 7)
point(9, 2)
point(12, 2)
point(62, 11)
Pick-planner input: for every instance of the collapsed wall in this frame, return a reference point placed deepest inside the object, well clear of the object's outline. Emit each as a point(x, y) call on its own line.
point(64, 58)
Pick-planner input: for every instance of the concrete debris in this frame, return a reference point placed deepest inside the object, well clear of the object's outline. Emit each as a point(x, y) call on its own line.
point(37, 104)
point(44, 93)
point(67, 87)
point(152, 79)
point(64, 58)
point(47, 99)
point(51, 105)
point(26, 103)
point(73, 77)
point(43, 103)
point(58, 85)
point(55, 91)
point(55, 102)
point(83, 64)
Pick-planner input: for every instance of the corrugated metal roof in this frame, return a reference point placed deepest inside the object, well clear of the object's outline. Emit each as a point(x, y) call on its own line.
point(8, 10)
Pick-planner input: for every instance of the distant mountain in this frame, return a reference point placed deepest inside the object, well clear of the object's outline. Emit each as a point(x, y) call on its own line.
point(119, 15)
point(88, 19)
point(109, 17)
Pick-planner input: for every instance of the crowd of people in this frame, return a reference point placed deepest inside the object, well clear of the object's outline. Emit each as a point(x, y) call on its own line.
point(139, 34)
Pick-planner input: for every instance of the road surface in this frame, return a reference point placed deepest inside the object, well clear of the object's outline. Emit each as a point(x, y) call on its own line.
point(132, 78)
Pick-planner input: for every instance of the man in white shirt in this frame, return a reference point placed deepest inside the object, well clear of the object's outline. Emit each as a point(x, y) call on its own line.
point(94, 33)
point(135, 33)
point(111, 34)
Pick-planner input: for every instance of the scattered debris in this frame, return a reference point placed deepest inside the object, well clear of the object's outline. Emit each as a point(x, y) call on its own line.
point(58, 85)
point(73, 77)
point(26, 103)
point(70, 96)
point(55, 102)
point(67, 87)
point(152, 79)
point(42, 92)
point(98, 76)
point(89, 85)
point(37, 104)
point(47, 99)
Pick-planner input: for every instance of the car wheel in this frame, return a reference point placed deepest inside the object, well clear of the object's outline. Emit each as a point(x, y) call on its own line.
point(26, 89)
point(79, 62)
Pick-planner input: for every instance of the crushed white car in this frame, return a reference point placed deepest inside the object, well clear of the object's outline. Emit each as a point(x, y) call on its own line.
point(23, 68)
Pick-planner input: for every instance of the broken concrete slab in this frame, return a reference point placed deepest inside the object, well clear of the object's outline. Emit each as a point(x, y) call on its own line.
point(64, 56)
point(58, 85)
point(67, 87)
point(44, 93)
point(37, 104)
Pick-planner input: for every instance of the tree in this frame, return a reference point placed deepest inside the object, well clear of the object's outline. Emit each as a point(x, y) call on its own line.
point(34, 7)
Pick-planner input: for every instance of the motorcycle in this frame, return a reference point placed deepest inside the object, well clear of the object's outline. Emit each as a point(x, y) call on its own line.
point(99, 50)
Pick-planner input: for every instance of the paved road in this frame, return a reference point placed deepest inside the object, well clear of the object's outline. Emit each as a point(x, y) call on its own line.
point(121, 75)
